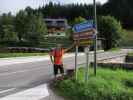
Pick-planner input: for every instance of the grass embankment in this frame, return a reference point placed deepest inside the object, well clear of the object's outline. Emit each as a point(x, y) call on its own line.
point(128, 38)
point(107, 85)
point(130, 54)
point(115, 49)
point(7, 55)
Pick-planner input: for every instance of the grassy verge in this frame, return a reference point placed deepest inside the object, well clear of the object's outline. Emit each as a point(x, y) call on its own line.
point(127, 39)
point(5, 55)
point(115, 49)
point(107, 85)
point(130, 54)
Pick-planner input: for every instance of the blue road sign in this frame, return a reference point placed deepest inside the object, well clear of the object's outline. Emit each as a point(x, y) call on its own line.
point(85, 26)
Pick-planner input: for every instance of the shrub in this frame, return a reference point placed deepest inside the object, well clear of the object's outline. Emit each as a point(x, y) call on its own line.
point(114, 85)
point(111, 30)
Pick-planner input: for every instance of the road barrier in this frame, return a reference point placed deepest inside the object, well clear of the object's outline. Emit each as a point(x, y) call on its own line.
point(129, 59)
point(127, 66)
point(23, 49)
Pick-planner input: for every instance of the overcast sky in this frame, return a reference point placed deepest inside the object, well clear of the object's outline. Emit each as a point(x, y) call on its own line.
point(15, 5)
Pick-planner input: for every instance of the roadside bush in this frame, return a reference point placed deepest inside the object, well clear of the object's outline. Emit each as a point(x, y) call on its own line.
point(127, 40)
point(99, 88)
point(111, 30)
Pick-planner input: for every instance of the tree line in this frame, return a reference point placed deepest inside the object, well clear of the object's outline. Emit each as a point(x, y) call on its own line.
point(122, 10)
point(28, 25)
point(24, 27)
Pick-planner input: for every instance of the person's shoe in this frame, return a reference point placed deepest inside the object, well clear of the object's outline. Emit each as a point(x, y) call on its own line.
point(60, 78)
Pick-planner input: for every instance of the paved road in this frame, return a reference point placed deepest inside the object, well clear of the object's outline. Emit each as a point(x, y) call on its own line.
point(26, 80)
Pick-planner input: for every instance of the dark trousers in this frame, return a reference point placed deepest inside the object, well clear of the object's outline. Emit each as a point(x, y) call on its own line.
point(57, 68)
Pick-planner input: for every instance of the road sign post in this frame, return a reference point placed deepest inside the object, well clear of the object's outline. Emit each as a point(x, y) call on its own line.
point(85, 26)
point(87, 64)
point(84, 35)
point(76, 61)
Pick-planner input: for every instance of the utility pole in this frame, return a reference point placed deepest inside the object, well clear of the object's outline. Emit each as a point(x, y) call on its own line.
point(95, 41)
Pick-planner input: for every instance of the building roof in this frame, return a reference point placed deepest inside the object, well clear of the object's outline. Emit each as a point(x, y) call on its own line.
point(57, 23)
point(52, 19)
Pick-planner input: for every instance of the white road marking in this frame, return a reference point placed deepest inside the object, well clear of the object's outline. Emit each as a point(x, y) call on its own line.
point(24, 59)
point(20, 60)
point(8, 90)
point(36, 93)
point(22, 71)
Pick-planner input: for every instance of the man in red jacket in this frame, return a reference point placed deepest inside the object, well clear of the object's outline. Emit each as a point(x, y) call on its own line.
point(56, 56)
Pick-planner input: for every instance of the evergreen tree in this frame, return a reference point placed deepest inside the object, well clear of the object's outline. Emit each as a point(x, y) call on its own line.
point(7, 30)
point(21, 24)
point(36, 29)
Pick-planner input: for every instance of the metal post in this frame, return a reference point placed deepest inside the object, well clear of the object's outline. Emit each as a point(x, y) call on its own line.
point(95, 42)
point(76, 63)
point(87, 64)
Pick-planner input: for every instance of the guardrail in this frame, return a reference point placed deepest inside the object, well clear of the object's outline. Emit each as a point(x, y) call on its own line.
point(102, 59)
point(23, 49)
point(127, 66)
point(113, 57)
point(127, 47)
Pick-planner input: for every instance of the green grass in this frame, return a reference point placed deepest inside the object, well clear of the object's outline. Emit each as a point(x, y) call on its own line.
point(115, 49)
point(107, 85)
point(128, 38)
point(130, 54)
point(6, 55)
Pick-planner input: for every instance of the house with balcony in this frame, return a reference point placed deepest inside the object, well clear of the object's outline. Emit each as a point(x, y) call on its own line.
point(56, 27)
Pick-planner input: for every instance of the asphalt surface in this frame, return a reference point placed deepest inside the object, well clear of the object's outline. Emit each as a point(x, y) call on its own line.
point(19, 77)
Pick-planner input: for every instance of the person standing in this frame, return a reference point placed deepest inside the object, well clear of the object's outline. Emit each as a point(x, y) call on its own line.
point(56, 56)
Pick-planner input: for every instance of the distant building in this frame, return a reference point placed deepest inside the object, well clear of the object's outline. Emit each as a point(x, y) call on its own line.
point(56, 27)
